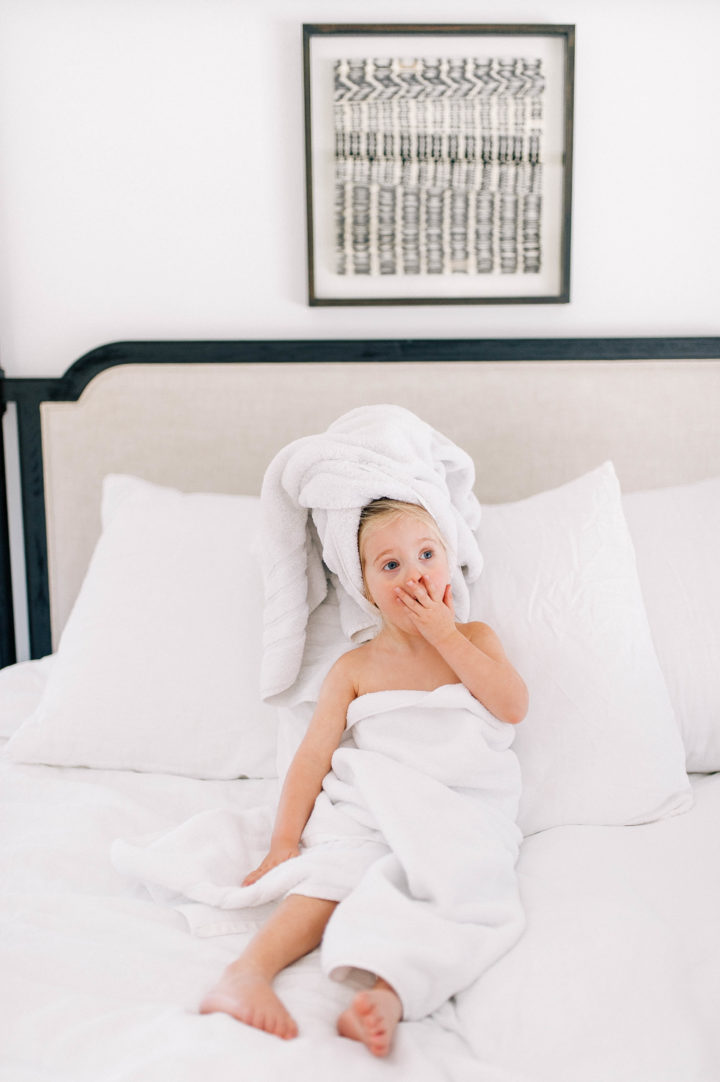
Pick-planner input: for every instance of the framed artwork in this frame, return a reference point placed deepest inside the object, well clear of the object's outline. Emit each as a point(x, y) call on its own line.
point(438, 163)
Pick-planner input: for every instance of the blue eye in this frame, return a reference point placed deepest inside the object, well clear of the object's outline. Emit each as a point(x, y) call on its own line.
point(427, 554)
point(391, 565)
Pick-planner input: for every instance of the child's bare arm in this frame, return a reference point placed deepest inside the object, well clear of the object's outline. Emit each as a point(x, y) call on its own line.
point(478, 658)
point(309, 766)
point(475, 654)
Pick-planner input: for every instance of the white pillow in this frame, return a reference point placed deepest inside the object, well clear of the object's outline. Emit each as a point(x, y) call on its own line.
point(676, 533)
point(600, 744)
point(158, 666)
point(21, 688)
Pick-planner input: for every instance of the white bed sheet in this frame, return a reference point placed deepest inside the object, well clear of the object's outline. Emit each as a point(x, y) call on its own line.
point(617, 976)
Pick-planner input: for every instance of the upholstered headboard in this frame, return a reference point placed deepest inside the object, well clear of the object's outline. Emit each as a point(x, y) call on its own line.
point(209, 416)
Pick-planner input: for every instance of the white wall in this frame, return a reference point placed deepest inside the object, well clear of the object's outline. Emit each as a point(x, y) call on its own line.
point(151, 174)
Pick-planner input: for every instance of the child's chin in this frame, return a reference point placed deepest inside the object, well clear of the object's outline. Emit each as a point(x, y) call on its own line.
point(402, 623)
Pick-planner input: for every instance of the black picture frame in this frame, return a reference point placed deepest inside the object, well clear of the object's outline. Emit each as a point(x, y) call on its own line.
point(438, 163)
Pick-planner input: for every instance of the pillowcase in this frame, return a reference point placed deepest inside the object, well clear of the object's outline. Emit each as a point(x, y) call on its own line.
point(600, 744)
point(676, 533)
point(21, 688)
point(158, 666)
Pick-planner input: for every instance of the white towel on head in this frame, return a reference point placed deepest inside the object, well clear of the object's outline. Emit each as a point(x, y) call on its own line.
point(313, 493)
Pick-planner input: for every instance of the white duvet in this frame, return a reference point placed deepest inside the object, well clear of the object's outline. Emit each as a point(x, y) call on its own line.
point(617, 976)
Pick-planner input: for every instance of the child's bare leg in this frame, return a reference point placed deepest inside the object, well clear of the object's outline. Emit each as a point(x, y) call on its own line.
point(245, 989)
point(372, 1017)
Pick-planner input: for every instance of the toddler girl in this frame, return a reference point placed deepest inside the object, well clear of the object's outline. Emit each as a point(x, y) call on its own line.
point(421, 647)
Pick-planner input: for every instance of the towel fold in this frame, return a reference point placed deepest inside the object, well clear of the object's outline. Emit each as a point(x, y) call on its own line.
point(414, 835)
point(313, 493)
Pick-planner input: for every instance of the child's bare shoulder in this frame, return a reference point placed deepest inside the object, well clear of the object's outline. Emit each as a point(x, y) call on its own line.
point(346, 673)
point(482, 636)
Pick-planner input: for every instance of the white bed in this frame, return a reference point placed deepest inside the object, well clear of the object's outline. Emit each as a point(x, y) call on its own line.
point(608, 604)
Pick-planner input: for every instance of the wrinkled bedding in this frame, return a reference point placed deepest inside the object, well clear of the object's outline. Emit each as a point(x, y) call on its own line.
point(617, 975)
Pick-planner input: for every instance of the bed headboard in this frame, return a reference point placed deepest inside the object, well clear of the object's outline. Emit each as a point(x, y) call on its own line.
point(209, 416)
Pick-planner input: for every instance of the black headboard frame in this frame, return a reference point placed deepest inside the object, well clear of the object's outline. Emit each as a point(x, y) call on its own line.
point(29, 393)
point(7, 614)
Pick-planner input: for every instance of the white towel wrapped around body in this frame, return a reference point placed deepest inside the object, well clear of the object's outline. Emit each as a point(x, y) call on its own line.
point(312, 495)
point(414, 834)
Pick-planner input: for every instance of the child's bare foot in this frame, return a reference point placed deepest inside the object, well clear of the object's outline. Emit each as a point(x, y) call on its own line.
point(372, 1018)
point(249, 997)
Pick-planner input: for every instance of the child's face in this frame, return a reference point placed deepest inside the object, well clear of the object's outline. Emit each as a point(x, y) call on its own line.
point(394, 553)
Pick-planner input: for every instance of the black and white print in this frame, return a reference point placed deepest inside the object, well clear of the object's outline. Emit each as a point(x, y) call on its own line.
point(438, 165)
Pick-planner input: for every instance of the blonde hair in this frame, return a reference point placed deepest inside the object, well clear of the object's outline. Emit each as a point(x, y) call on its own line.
point(384, 510)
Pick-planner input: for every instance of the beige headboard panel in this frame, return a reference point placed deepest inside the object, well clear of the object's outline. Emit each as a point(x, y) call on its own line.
point(214, 427)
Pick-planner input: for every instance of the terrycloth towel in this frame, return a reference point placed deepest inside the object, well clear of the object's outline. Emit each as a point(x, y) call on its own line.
point(313, 493)
point(414, 833)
